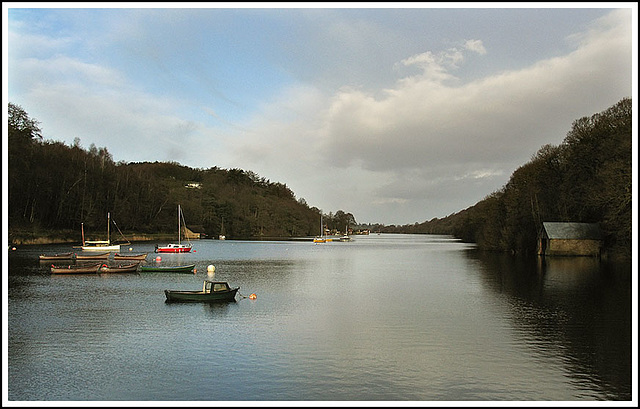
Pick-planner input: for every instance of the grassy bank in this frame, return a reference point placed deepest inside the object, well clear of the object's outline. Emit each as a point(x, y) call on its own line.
point(27, 237)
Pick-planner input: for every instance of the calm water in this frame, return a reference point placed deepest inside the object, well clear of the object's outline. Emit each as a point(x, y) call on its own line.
point(382, 318)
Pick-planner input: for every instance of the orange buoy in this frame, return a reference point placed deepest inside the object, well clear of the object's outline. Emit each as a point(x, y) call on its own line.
point(253, 296)
point(158, 258)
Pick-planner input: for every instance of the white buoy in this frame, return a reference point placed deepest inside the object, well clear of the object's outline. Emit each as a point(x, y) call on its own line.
point(211, 270)
point(130, 249)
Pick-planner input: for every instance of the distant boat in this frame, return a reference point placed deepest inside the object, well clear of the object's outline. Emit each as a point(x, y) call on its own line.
point(75, 269)
point(345, 236)
point(175, 247)
point(100, 245)
point(119, 256)
point(167, 269)
point(93, 256)
point(212, 291)
point(129, 268)
point(322, 237)
point(222, 236)
point(61, 256)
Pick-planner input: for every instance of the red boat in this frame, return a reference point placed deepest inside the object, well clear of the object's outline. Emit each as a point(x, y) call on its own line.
point(175, 247)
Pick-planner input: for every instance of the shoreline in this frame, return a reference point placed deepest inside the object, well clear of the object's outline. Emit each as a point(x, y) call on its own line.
point(32, 238)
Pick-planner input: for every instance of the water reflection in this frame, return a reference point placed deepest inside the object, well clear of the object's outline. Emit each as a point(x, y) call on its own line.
point(393, 317)
point(567, 309)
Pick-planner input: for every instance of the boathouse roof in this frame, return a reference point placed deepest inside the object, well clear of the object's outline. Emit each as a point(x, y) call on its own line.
point(572, 231)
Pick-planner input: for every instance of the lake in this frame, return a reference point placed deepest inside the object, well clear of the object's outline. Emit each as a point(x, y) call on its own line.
point(381, 318)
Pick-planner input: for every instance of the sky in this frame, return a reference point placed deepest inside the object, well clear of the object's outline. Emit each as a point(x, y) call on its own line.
point(395, 112)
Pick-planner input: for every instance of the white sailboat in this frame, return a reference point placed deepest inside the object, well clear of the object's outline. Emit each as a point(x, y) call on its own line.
point(322, 238)
point(222, 236)
point(100, 245)
point(345, 236)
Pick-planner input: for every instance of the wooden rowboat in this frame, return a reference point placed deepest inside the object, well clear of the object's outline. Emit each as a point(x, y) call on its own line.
point(99, 256)
point(212, 291)
point(61, 256)
point(75, 269)
point(167, 269)
point(128, 268)
point(119, 256)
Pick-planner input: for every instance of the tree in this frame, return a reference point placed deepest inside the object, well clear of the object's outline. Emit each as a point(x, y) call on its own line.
point(23, 133)
point(21, 125)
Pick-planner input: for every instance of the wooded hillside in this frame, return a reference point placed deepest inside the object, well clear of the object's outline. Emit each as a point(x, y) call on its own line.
point(56, 188)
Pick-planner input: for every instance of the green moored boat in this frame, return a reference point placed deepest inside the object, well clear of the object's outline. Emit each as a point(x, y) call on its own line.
point(167, 269)
point(212, 291)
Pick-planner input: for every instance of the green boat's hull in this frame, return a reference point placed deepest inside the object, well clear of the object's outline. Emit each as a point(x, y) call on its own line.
point(199, 296)
point(167, 269)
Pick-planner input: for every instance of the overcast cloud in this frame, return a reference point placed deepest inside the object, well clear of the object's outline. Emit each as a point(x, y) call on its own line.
point(395, 115)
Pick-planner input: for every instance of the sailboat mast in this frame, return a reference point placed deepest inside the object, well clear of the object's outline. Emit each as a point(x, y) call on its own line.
point(108, 233)
point(178, 224)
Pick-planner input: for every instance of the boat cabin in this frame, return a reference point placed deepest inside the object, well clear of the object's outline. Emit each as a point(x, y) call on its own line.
point(214, 286)
point(175, 246)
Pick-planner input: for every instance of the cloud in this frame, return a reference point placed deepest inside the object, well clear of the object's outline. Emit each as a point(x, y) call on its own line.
point(426, 143)
point(476, 46)
point(432, 133)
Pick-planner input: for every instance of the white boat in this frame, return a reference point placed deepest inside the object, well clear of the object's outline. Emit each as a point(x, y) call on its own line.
point(345, 236)
point(175, 247)
point(100, 245)
point(323, 237)
point(222, 235)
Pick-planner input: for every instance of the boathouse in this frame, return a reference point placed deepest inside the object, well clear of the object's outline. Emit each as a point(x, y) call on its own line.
point(569, 239)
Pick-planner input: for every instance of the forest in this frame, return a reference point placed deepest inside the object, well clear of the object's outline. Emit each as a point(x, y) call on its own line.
point(56, 188)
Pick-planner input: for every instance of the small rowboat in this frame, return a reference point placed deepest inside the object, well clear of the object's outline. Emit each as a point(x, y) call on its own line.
point(167, 269)
point(119, 256)
point(61, 256)
point(128, 268)
point(212, 291)
point(100, 256)
point(75, 269)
